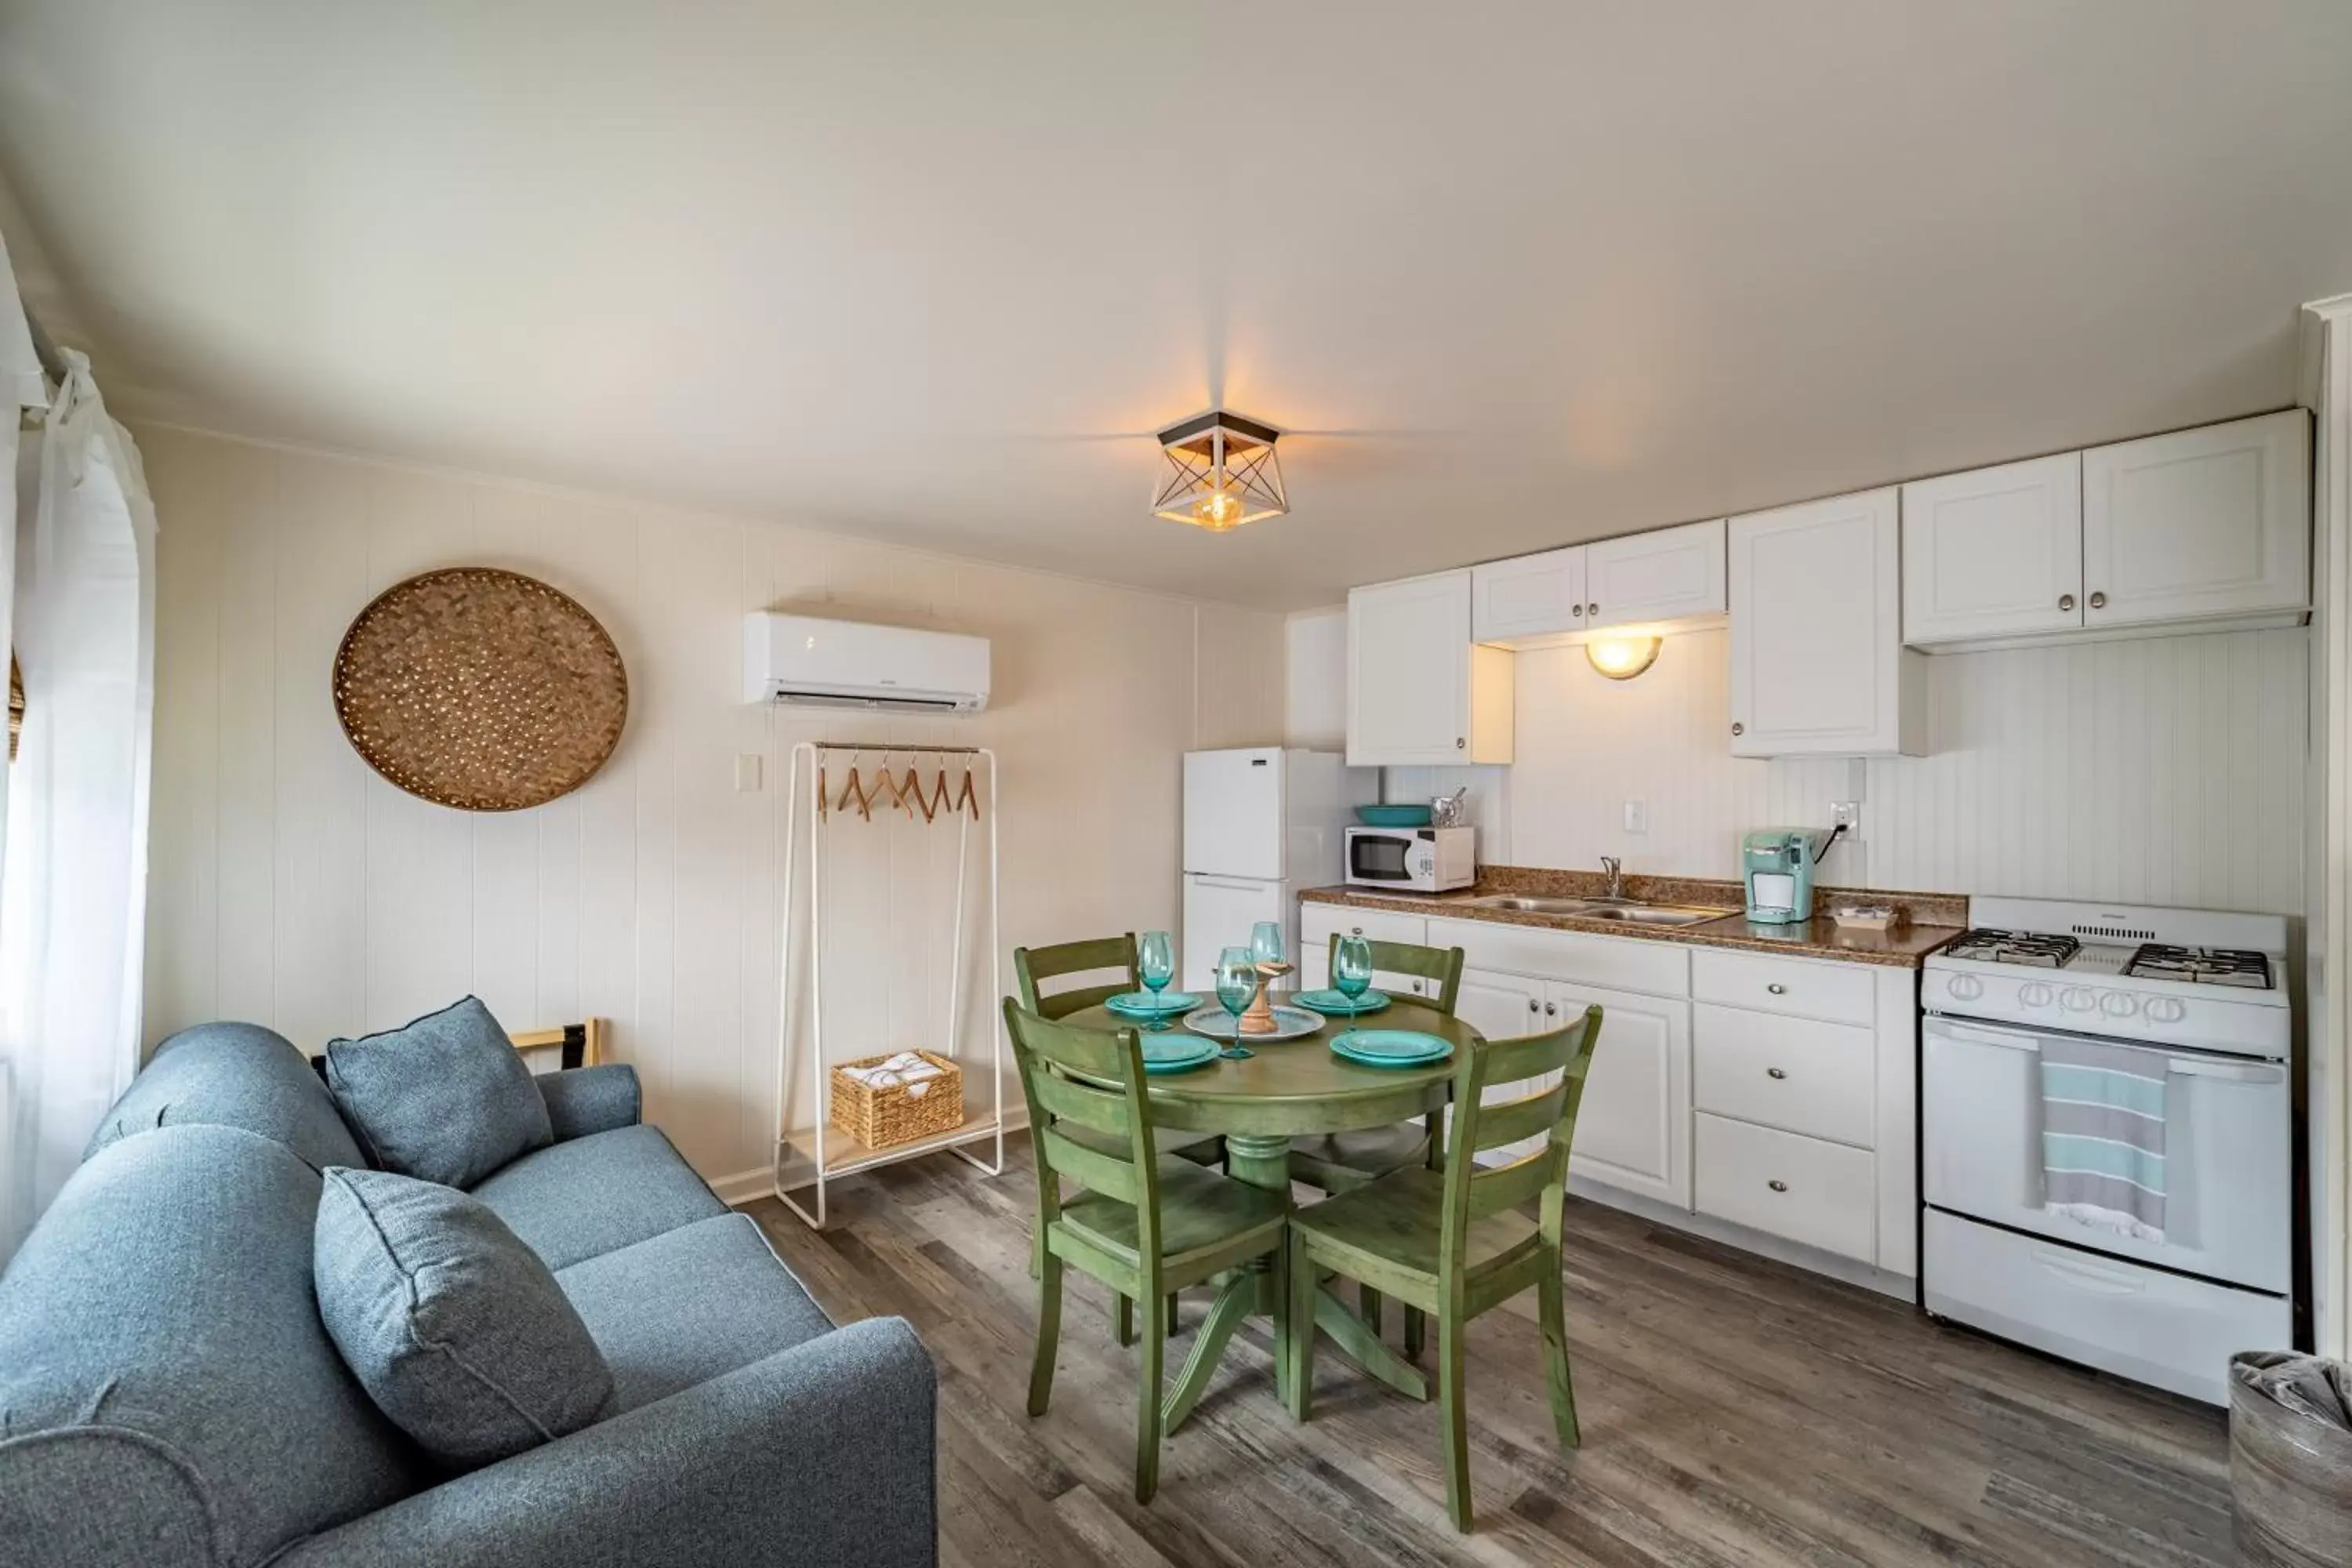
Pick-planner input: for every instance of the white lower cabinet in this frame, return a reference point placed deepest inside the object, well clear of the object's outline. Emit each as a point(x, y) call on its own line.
point(1806, 1189)
point(1632, 1130)
point(1317, 924)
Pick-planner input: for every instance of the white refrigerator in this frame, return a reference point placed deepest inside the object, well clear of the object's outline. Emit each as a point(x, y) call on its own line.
point(1261, 823)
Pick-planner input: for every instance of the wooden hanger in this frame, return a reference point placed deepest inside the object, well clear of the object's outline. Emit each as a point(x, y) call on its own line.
point(823, 805)
point(855, 791)
point(967, 797)
point(882, 781)
point(940, 802)
point(912, 790)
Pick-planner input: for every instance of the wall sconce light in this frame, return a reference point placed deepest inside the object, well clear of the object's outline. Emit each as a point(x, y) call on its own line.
point(1623, 659)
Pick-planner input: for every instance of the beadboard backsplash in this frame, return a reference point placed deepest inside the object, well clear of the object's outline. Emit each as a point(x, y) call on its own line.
point(2166, 771)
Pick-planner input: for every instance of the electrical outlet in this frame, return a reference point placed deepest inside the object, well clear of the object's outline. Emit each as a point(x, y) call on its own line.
point(1637, 817)
point(1846, 814)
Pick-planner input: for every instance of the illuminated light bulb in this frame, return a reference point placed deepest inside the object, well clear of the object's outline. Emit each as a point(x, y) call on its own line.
point(1623, 659)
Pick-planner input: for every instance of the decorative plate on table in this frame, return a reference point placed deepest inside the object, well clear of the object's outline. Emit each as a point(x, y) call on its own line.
point(1289, 1024)
point(1337, 1003)
point(1176, 1053)
point(1390, 1048)
point(1144, 1004)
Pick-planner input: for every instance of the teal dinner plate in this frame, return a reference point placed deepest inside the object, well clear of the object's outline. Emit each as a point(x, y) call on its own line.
point(1143, 1005)
point(1176, 1053)
point(1391, 1047)
point(1336, 1003)
point(1289, 1024)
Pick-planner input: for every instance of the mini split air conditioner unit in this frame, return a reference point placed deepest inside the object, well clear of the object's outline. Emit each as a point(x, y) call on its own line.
point(804, 662)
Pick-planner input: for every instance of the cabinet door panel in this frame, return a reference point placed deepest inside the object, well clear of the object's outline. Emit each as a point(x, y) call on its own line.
point(1632, 1130)
point(1408, 671)
point(1667, 574)
point(1532, 597)
point(1817, 660)
point(1501, 1007)
point(1996, 553)
point(2198, 524)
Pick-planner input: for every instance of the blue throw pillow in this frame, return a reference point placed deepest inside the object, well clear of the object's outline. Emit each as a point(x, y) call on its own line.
point(444, 1098)
point(455, 1327)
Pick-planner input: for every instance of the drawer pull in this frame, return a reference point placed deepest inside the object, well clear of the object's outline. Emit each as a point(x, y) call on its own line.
point(1776, 989)
point(1534, 1005)
point(1552, 1009)
point(1777, 1185)
point(1776, 1072)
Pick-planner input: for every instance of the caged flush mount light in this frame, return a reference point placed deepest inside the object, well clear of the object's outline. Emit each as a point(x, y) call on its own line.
point(1222, 472)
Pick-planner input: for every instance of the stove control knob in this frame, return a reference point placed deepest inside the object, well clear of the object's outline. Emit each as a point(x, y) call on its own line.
point(2075, 999)
point(2034, 993)
point(1965, 987)
point(2165, 1010)
point(2118, 1003)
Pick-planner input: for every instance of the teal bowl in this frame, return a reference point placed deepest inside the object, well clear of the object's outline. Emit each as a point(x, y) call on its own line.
point(1393, 816)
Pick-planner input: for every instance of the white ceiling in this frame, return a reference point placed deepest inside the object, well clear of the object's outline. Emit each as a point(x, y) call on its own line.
point(1517, 274)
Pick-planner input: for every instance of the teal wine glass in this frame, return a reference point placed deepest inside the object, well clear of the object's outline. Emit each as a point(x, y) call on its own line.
point(1155, 966)
point(1351, 968)
point(1236, 985)
point(1265, 941)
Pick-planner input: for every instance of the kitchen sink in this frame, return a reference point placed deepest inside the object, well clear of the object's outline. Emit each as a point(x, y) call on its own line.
point(1621, 911)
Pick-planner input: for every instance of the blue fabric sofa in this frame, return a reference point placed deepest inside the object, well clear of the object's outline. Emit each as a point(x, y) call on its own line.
point(168, 1395)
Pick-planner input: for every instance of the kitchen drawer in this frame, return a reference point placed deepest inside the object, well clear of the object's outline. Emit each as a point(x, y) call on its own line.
point(1805, 988)
point(1316, 922)
point(1796, 1074)
point(1613, 962)
point(1822, 1194)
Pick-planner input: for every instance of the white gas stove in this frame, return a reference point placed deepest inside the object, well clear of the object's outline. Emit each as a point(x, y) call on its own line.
point(2179, 977)
point(2145, 1053)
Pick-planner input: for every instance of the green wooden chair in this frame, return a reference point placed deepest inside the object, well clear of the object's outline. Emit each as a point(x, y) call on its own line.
point(1145, 1225)
point(1032, 965)
point(1342, 1161)
point(1453, 1243)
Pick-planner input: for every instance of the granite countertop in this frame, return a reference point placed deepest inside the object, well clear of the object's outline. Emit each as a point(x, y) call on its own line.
point(1936, 918)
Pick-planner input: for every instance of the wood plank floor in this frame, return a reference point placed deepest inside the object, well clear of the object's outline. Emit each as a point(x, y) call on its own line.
point(1736, 1412)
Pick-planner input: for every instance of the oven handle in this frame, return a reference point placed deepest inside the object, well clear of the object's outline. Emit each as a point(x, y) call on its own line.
point(2029, 1043)
point(2185, 1067)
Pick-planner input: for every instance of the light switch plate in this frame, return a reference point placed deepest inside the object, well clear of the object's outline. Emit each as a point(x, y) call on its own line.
point(1637, 817)
point(747, 771)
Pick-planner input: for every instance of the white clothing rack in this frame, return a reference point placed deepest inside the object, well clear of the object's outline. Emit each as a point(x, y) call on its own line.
point(825, 1145)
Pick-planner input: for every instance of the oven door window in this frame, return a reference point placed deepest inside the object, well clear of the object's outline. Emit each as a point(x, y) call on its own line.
point(1377, 859)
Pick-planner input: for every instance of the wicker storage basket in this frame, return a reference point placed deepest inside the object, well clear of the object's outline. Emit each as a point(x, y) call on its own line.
point(887, 1116)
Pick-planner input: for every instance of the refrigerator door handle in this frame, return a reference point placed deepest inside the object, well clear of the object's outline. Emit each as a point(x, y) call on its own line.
point(1231, 884)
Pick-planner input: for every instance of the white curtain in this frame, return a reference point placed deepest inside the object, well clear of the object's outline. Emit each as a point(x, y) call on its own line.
point(73, 899)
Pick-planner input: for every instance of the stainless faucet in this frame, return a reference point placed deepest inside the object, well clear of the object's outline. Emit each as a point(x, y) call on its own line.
point(1616, 870)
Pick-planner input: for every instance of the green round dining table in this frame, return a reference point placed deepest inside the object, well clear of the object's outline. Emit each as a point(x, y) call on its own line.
point(1295, 1089)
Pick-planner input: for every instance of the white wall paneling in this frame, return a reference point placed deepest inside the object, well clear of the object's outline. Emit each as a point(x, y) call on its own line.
point(293, 886)
point(2166, 771)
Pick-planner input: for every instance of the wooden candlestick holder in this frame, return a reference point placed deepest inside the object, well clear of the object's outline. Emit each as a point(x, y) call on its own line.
point(1258, 1018)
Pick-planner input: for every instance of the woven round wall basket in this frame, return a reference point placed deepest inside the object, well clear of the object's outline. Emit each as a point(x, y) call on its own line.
point(482, 690)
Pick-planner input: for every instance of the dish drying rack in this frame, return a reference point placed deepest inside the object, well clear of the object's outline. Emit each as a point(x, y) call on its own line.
point(830, 1151)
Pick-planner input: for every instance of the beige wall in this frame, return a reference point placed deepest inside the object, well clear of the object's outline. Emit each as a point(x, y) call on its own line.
point(2166, 771)
point(293, 886)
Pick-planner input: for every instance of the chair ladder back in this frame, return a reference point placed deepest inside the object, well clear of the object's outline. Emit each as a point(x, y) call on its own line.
point(1094, 1080)
point(1442, 964)
point(1033, 964)
point(1474, 1191)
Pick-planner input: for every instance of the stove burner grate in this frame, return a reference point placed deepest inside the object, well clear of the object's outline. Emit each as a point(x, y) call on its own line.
point(2201, 965)
point(2030, 948)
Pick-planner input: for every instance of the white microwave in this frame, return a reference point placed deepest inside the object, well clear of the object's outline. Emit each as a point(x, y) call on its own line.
point(1416, 860)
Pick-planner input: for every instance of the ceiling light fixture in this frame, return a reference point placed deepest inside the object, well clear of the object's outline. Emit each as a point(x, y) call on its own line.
point(1222, 472)
point(1623, 659)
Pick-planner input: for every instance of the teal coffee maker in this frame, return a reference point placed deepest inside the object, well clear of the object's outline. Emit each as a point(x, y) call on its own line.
point(1777, 864)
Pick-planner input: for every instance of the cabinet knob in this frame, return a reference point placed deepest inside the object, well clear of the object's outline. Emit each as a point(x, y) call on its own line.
point(1592, 609)
point(1776, 989)
point(1354, 931)
point(1577, 610)
point(2098, 600)
point(1739, 729)
point(1534, 1005)
point(1777, 1185)
point(1457, 742)
point(2066, 601)
point(1552, 1009)
point(1776, 1072)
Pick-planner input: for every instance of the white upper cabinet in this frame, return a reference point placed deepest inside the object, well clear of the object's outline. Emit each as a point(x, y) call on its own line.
point(1419, 691)
point(1818, 665)
point(1997, 553)
point(1668, 575)
point(2207, 524)
point(1532, 597)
